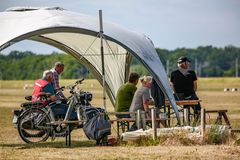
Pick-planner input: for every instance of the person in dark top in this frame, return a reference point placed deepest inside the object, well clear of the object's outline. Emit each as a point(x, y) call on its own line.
point(159, 100)
point(157, 95)
point(184, 82)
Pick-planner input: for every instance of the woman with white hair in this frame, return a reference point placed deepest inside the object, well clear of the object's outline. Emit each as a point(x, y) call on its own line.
point(142, 98)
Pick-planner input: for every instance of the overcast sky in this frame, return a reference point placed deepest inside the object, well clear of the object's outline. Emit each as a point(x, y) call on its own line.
point(170, 24)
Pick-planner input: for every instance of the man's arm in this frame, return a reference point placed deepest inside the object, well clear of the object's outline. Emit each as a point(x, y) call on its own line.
point(171, 81)
point(171, 84)
point(146, 100)
point(146, 108)
point(195, 85)
point(50, 90)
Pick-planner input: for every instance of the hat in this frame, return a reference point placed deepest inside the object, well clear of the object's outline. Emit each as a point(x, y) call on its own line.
point(183, 59)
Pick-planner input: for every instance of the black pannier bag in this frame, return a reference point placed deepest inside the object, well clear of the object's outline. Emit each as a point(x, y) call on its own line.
point(97, 127)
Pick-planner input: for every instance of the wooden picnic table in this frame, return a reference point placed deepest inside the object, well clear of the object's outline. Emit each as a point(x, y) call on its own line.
point(123, 123)
point(181, 103)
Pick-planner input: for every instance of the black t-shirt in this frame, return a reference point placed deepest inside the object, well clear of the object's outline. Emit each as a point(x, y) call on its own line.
point(183, 83)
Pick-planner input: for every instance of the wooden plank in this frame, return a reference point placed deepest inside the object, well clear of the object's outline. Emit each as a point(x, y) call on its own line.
point(188, 102)
point(65, 122)
point(181, 102)
point(235, 130)
point(123, 119)
point(120, 113)
point(133, 120)
point(216, 111)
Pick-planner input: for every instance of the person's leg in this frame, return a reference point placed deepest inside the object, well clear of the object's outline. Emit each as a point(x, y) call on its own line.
point(196, 108)
point(134, 126)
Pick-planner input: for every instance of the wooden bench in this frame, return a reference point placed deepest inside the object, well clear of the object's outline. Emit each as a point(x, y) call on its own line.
point(124, 123)
point(68, 124)
point(221, 113)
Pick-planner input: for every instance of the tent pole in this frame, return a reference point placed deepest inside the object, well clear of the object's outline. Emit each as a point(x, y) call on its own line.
point(102, 57)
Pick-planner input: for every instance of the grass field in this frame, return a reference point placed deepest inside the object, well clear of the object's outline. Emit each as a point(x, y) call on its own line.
point(210, 91)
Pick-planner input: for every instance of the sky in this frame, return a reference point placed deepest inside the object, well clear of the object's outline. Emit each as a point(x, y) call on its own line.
point(170, 24)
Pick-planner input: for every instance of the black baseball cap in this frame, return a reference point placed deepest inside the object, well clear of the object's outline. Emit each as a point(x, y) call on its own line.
point(183, 59)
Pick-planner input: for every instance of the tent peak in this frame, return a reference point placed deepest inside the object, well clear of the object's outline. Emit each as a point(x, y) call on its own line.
point(29, 8)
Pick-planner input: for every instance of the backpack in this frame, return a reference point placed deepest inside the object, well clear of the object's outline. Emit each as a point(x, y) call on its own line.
point(97, 127)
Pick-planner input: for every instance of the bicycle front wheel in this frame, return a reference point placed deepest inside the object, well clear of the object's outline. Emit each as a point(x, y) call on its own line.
point(33, 126)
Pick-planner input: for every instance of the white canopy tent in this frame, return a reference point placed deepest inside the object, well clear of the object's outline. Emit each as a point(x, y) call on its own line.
point(78, 35)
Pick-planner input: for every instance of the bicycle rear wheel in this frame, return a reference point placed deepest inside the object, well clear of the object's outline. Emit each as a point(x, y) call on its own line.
point(33, 126)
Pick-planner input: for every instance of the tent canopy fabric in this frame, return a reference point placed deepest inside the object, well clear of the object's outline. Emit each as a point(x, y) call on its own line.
point(78, 35)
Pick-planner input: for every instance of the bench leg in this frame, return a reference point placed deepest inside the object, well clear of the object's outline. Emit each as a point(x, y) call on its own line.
point(226, 119)
point(219, 118)
point(118, 126)
point(168, 116)
point(124, 125)
point(68, 136)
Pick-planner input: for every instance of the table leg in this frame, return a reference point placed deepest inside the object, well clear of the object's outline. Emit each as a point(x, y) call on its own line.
point(165, 112)
point(168, 116)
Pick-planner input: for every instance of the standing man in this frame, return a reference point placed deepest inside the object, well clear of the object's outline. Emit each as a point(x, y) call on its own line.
point(184, 82)
point(125, 95)
point(57, 70)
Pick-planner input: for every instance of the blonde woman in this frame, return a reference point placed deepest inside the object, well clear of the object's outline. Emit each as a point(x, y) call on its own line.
point(142, 97)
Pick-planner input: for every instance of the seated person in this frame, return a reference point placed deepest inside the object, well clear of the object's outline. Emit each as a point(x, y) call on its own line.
point(125, 95)
point(44, 86)
point(142, 98)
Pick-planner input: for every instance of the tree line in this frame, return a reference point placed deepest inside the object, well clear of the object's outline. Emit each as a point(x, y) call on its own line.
point(207, 61)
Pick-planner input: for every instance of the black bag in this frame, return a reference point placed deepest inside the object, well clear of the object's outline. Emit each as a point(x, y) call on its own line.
point(91, 112)
point(97, 127)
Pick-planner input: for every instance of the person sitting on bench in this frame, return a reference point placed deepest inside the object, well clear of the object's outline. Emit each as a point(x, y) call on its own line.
point(141, 99)
point(125, 95)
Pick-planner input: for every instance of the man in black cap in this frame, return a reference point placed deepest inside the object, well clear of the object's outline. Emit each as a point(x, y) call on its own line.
point(184, 82)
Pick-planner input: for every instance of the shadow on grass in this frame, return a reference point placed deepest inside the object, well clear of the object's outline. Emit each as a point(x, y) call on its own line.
point(59, 144)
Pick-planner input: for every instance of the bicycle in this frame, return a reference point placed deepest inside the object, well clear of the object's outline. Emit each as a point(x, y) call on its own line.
point(37, 122)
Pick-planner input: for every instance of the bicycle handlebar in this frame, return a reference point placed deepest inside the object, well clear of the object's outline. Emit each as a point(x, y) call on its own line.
point(79, 81)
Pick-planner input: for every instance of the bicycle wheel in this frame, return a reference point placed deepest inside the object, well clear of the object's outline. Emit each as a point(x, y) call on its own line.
point(33, 126)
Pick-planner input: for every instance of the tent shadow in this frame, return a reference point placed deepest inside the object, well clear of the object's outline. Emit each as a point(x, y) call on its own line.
point(59, 144)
